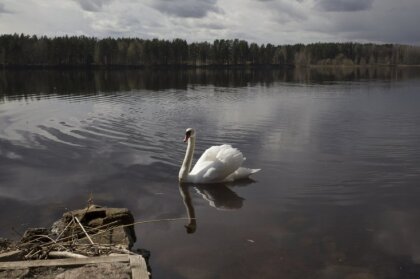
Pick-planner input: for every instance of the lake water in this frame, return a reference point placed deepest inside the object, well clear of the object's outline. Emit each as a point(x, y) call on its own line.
point(338, 195)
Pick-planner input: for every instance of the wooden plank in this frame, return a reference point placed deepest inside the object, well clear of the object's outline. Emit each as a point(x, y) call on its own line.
point(138, 267)
point(11, 256)
point(64, 262)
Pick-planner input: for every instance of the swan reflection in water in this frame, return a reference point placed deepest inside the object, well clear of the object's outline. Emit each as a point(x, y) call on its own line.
point(218, 196)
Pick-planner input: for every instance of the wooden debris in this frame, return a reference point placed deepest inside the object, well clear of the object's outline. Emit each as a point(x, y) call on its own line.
point(136, 263)
point(87, 232)
point(80, 237)
point(87, 235)
point(138, 267)
point(65, 254)
point(11, 255)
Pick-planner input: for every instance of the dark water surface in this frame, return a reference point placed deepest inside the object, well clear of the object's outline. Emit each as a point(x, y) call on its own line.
point(338, 195)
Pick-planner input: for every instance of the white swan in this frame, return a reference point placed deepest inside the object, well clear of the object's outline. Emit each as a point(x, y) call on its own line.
point(217, 164)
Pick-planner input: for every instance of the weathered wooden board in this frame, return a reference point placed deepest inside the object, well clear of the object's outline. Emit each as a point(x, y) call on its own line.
point(137, 263)
point(63, 262)
point(138, 267)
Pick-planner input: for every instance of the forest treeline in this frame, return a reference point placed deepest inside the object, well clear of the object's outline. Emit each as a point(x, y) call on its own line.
point(82, 51)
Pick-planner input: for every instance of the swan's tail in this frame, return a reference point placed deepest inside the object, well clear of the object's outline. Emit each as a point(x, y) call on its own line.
point(241, 173)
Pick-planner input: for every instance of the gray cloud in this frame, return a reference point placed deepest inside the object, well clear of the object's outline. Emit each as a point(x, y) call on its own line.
point(343, 5)
point(263, 21)
point(212, 26)
point(3, 10)
point(285, 11)
point(187, 8)
point(388, 22)
point(92, 5)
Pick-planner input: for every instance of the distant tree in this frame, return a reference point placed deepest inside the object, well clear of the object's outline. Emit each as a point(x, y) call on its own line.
point(254, 53)
point(23, 50)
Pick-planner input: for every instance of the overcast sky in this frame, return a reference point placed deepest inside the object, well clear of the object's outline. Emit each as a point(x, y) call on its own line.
point(261, 21)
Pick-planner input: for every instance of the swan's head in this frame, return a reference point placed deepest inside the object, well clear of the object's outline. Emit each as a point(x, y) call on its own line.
point(189, 133)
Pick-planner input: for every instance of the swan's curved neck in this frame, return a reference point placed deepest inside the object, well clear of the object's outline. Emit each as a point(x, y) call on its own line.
point(186, 165)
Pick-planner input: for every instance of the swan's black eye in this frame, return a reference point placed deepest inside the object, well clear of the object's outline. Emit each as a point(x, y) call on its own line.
point(188, 134)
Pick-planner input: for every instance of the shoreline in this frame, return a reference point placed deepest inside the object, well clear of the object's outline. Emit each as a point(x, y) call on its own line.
point(204, 67)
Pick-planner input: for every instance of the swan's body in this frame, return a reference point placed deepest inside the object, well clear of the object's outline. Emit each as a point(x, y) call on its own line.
point(217, 164)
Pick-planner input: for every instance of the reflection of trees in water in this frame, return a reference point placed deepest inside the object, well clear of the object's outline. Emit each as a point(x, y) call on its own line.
point(25, 82)
point(217, 195)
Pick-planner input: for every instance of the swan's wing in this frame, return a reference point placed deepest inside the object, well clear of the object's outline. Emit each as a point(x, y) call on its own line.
point(217, 163)
point(209, 155)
